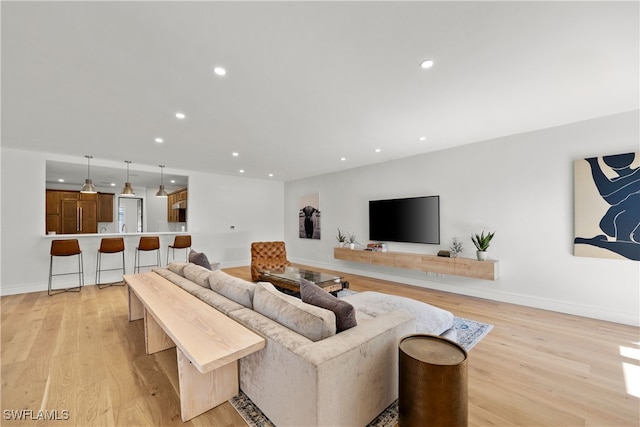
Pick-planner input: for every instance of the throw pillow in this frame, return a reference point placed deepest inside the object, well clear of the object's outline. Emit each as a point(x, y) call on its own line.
point(345, 313)
point(199, 258)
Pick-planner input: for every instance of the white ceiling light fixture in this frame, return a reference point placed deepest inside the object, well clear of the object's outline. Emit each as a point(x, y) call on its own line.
point(235, 154)
point(159, 140)
point(423, 138)
point(378, 150)
point(427, 63)
point(161, 191)
point(180, 115)
point(342, 159)
point(219, 71)
point(60, 180)
point(88, 186)
point(128, 189)
point(241, 171)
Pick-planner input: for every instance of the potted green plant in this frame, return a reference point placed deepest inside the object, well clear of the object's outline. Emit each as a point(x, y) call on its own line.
point(482, 242)
point(352, 240)
point(342, 238)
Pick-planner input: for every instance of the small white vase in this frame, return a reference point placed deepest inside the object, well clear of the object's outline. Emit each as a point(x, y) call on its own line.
point(352, 245)
point(342, 244)
point(482, 255)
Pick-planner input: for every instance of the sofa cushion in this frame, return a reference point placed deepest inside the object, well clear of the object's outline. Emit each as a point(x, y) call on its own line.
point(345, 313)
point(178, 267)
point(310, 321)
point(197, 274)
point(178, 280)
point(234, 288)
point(199, 258)
point(429, 319)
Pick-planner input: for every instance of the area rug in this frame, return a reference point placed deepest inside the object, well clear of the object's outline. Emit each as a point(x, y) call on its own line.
point(469, 333)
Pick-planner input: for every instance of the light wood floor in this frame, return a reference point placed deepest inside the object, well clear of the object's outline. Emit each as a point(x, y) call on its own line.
point(78, 352)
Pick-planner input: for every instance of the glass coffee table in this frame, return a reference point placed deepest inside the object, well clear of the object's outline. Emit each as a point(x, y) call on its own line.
point(289, 279)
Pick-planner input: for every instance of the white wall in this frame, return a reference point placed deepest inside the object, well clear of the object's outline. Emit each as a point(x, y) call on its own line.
point(521, 186)
point(216, 202)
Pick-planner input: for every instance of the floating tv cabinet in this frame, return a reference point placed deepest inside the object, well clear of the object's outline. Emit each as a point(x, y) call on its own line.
point(466, 267)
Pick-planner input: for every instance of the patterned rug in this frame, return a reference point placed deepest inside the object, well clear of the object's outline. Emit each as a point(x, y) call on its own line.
point(469, 333)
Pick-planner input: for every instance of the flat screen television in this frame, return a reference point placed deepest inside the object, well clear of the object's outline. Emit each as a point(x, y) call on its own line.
point(411, 220)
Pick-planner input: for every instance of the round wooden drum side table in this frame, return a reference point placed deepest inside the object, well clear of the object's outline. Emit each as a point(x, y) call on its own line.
point(432, 383)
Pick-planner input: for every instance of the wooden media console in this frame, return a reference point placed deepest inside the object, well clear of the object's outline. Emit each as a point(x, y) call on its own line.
point(466, 267)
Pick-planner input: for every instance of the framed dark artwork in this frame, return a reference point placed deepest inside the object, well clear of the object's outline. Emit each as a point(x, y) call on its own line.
point(309, 217)
point(607, 206)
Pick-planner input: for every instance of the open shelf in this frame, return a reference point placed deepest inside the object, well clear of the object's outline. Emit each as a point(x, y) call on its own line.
point(466, 267)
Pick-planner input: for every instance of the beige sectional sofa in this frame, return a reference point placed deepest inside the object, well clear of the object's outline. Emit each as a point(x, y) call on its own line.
point(307, 375)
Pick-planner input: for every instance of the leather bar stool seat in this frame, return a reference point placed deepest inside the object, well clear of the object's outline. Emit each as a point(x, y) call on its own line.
point(180, 242)
point(147, 244)
point(110, 245)
point(66, 248)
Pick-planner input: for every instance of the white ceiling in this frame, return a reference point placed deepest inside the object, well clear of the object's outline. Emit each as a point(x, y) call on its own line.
point(307, 82)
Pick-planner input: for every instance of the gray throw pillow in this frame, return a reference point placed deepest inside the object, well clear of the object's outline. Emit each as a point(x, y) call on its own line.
point(313, 294)
point(199, 258)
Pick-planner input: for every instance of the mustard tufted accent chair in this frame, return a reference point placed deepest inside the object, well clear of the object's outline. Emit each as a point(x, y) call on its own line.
point(267, 256)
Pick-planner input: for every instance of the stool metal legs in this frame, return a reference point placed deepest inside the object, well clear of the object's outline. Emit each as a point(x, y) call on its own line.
point(99, 269)
point(137, 265)
point(80, 274)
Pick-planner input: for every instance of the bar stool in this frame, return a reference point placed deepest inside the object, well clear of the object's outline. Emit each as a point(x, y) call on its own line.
point(147, 243)
point(109, 245)
point(180, 242)
point(65, 248)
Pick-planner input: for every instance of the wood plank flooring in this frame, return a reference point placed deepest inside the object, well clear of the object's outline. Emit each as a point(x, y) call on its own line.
point(78, 353)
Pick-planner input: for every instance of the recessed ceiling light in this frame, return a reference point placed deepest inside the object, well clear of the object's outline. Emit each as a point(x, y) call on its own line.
point(427, 63)
point(61, 180)
point(159, 140)
point(180, 115)
point(234, 154)
point(173, 181)
point(241, 170)
point(270, 174)
point(343, 158)
point(113, 184)
point(220, 71)
point(378, 150)
point(423, 138)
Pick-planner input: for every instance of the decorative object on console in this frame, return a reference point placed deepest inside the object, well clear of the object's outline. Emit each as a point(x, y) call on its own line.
point(482, 243)
point(352, 241)
point(309, 217)
point(342, 238)
point(456, 247)
point(606, 198)
point(376, 247)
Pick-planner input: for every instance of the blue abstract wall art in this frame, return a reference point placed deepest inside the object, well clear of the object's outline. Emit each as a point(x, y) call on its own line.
point(607, 206)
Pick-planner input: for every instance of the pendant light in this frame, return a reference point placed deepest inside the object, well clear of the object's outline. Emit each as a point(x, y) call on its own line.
point(161, 192)
point(88, 186)
point(128, 189)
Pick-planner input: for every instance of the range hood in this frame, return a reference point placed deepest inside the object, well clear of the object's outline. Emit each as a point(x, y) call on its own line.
point(182, 204)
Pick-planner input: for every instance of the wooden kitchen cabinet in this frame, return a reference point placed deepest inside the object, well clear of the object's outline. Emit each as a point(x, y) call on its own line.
point(105, 207)
point(72, 212)
point(177, 214)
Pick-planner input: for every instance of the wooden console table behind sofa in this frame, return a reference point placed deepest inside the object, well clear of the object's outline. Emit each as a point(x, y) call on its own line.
point(208, 343)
